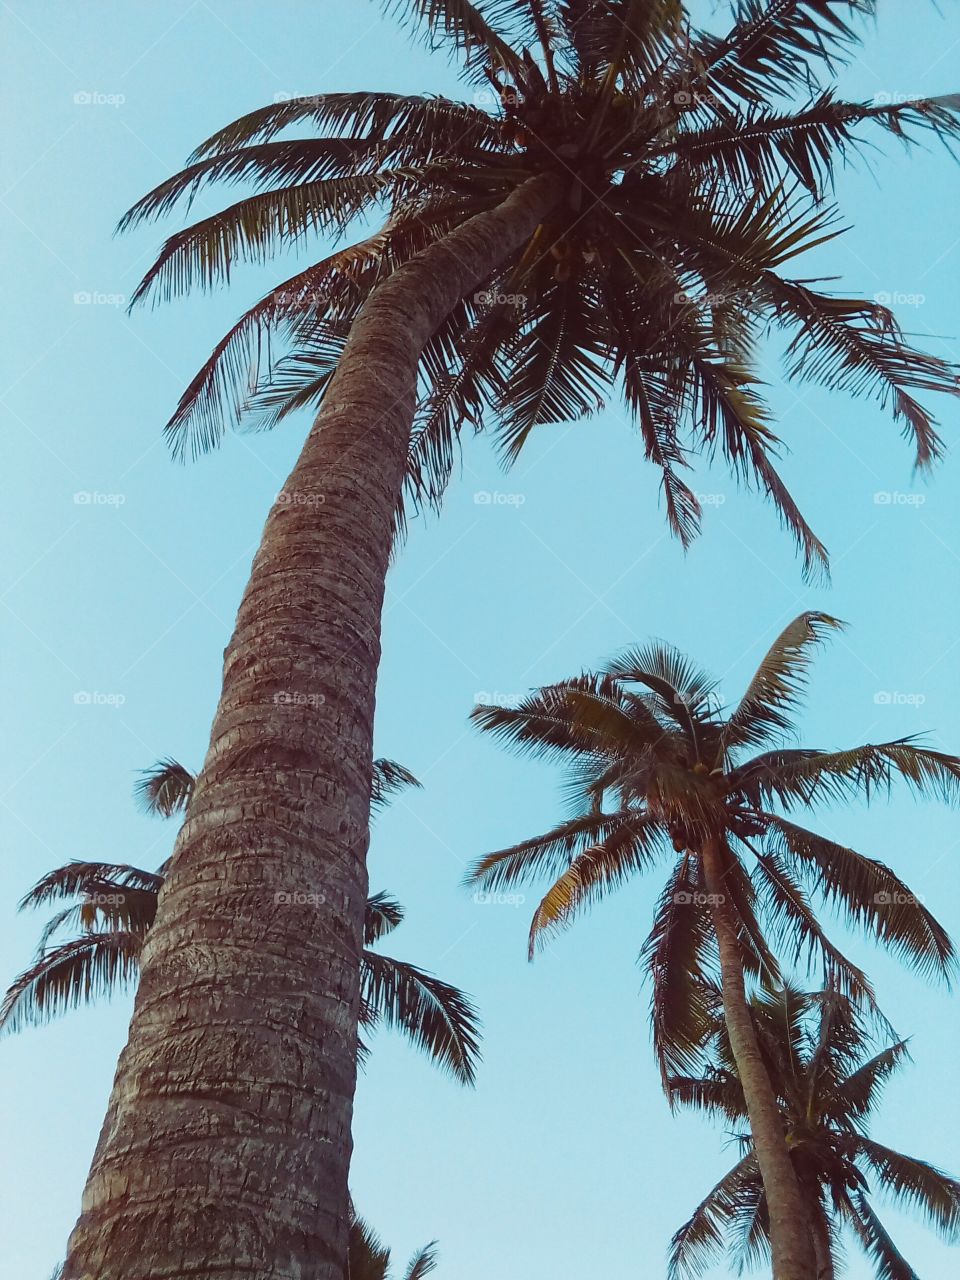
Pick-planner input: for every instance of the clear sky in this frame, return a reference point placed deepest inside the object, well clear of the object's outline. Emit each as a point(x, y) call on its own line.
point(564, 1162)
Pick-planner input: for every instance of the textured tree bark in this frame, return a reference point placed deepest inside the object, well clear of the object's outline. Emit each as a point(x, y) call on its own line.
point(225, 1150)
point(792, 1247)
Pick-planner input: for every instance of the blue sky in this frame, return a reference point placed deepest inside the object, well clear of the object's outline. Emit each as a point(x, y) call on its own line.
point(564, 1161)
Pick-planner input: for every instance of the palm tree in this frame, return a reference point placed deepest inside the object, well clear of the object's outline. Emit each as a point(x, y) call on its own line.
point(660, 773)
point(118, 905)
point(617, 220)
point(828, 1079)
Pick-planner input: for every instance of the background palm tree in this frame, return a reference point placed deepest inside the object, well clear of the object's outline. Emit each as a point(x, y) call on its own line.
point(660, 773)
point(118, 905)
point(617, 219)
point(828, 1072)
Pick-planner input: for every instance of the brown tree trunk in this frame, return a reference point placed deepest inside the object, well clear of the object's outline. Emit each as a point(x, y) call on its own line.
point(225, 1150)
point(792, 1247)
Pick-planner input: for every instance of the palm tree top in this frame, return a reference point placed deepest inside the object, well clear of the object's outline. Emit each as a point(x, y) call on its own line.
point(687, 170)
point(829, 1068)
point(656, 768)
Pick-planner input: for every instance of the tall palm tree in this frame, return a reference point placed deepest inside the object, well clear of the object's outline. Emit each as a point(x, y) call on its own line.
point(612, 213)
point(828, 1073)
point(659, 772)
point(117, 907)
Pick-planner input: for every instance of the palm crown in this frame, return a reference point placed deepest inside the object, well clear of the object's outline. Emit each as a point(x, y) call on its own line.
point(117, 907)
point(689, 169)
point(828, 1072)
point(657, 770)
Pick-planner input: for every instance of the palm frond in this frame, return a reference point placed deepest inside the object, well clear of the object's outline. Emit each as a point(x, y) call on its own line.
point(914, 1184)
point(75, 879)
point(679, 955)
point(701, 1240)
point(71, 974)
point(388, 780)
point(436, 1017)
point(793, 921)
point(367, 1257)
point(859, 1092)
point(868, 893)
point(205, 253)
point(627, 850)
point(465, 28)
point(422, 1263)
point(776, 690)
point(381, 916)
point(888, 1262)
point(435, 122)
point(165, 788)
point(773, 47)
point(548, 855)
point(849, 344)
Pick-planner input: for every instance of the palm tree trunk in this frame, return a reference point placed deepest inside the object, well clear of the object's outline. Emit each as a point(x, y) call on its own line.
point(226, 1145)
point(792, 1248)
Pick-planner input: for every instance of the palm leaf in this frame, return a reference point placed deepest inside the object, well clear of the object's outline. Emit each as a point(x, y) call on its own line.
point(388, 779)
point(868, 893)
point(914, 1184)
point(436, 1017)
point(71, 974)
point(700, 1241)
point(165, 788)
point(381, 916)
point(627, 850)
point(777, 688)
point(889, 1263)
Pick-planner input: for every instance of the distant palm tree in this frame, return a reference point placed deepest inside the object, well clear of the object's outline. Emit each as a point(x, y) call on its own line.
point(116, 910)
point(828, 1079)
point(611, 215)
point(660, 772)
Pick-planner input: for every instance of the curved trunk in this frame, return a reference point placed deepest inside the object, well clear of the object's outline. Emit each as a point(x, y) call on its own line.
point(791, 1245)
point(226, 1145)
